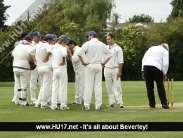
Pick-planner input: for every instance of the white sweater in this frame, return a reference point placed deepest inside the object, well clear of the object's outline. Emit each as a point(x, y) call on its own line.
point(21, 56)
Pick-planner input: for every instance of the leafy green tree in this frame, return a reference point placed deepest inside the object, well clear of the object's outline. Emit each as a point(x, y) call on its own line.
point(3, 17)
point(140, 18)
point(87, 15)
point(132, 43)
point(177, 10)
point(71, 17)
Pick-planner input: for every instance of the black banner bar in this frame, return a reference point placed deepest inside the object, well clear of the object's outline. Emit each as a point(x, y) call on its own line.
point(91, 126)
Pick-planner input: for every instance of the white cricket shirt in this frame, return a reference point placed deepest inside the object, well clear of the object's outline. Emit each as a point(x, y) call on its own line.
point(117, 56)
point(58, 52)
point(40, 51)
point(75, 59)
point(94, 50)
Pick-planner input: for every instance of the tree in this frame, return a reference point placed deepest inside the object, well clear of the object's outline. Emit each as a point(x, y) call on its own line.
point(140, 18)
point(177, 10)
point(87, 15)
point(74, 18)
point(3, 17)
point(133, 47)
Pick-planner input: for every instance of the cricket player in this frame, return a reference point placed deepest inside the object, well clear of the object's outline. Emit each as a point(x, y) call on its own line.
point(94, 49)
point(34, 75)
point(113, 72)
point(21, 39)
point(79, 70)
point(21, 69)
point(16, 43)
point(42, 53)
point(60, 79)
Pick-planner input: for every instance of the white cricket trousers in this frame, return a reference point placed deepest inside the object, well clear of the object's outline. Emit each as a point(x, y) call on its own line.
point(113, 86)
point(22, 79)
point(45, 77)
point(93, 78)
point(79, 84)
point(33, 84)
point(59, 87)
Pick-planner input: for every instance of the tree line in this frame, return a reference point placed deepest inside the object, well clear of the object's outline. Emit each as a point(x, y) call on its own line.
point(76, 19)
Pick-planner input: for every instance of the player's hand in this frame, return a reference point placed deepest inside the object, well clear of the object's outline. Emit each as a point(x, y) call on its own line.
point(85, 64)
point(143, 76)
point(118, 75)
point(46, 59)
point(102, 65)
point(61, 64)
point(164, 77)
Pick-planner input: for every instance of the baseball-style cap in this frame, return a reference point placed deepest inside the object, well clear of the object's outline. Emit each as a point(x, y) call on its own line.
point(55, 37)
point(49, 36)
point(23, 35)
point(64, 37)
point(28, 38)
point(36, 33)
point(91, 33)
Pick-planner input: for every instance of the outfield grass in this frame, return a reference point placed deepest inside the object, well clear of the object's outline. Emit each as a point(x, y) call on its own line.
point(136, 110)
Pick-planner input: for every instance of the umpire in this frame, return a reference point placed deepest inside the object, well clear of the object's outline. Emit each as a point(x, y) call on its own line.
point(155, 65)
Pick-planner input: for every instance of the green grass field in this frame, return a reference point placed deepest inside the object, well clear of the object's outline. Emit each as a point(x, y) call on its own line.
point(135, 109)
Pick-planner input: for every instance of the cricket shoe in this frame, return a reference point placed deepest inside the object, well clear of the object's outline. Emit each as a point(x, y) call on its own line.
point(17, 103)
point(64, 108)
point(13, 100)
point(121, 106)
point(54, 108)
point(85, 108)
point(37, 105)
point(45, 107)
point(165, 106)
point(111, 105)
point(74, 103)
point(98, 108)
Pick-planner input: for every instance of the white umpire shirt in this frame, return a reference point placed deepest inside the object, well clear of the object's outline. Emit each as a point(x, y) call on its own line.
point(158, 57)
point(94, 50)
point(75, 59)
point(117, 56)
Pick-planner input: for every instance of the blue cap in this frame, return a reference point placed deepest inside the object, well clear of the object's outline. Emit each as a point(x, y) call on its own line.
point(36, 33)
point(49, 36)
point(23, 35)
point(91, 33)
point(64, 37)
point(28, 37)
point(55, 37)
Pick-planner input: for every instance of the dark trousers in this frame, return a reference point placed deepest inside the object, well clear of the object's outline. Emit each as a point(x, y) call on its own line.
point(152, 74)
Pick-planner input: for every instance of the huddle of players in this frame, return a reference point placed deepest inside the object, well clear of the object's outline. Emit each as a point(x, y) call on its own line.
point(50, 56)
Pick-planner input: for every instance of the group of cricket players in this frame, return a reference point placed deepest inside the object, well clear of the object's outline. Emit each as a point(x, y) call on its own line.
point(45, 61)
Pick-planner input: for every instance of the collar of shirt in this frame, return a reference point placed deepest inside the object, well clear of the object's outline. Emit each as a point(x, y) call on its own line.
point(57, 45)
point(34, 43)
point(111, 46)
point(74, 48)
point(94, 39)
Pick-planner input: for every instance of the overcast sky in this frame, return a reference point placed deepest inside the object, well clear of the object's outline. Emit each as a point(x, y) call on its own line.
point(157, 9)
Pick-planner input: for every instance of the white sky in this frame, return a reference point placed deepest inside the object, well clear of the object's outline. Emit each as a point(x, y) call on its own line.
point(157, 9)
